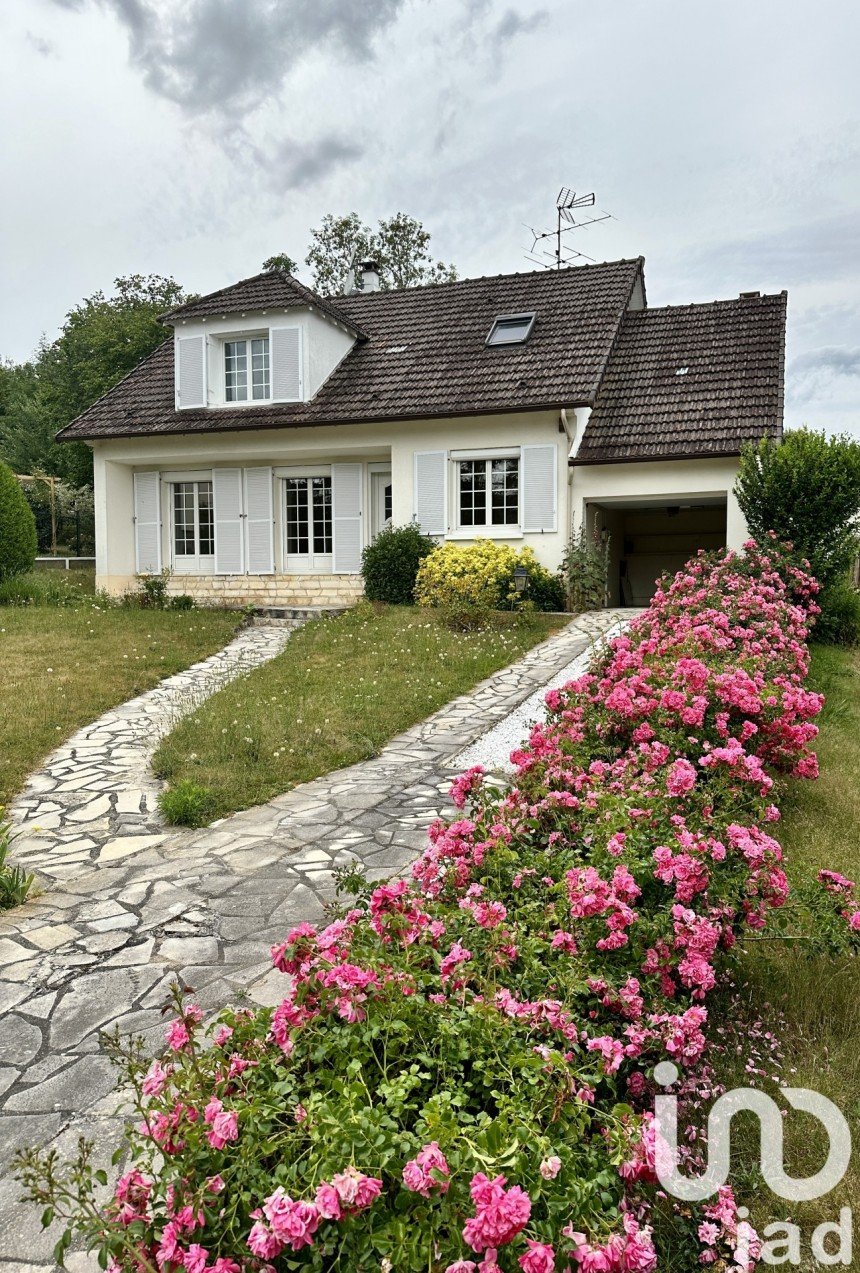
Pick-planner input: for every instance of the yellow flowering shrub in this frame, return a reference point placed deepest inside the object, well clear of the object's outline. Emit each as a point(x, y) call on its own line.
point(477, 574)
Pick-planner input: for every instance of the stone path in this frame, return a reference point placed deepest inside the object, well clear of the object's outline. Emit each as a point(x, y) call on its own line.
point(95, 798)
point(124, 921)
point(492, 750)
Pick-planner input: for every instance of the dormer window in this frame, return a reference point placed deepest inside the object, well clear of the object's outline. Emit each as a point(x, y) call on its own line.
point(511, 329)
point(246, 369)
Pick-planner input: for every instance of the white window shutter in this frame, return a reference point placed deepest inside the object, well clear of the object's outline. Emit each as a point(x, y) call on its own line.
point(346, 482)
point(430, 491)
point(285, 357)
point(147, 523)
point(191, 371)
point(259, 529)
point(227, 502)
point(539, 483)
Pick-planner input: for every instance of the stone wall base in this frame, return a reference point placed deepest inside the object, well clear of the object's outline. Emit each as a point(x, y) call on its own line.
point(277, 591)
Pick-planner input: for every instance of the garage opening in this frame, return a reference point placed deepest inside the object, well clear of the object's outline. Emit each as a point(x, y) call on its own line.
point(647, 538)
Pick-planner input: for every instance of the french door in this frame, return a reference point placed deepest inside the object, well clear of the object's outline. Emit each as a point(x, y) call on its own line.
point(307, 525)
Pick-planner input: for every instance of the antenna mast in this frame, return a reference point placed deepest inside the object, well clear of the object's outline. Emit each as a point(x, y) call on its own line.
point(566, 205)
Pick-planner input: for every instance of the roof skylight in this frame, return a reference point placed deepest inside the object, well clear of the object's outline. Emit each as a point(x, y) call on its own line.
point(511, 329)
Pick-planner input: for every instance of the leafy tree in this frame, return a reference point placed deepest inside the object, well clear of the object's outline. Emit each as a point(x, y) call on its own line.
point(400, 246)
point(281, 262)
point(806, 488)
point(17, 527)
point(101, 340)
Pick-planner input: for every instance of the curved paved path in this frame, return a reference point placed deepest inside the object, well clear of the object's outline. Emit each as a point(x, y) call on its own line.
point(102, 948)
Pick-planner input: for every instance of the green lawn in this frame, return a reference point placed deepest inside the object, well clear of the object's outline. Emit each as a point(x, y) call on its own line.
point(61, 666)
point(818, 996)
point(341, 689)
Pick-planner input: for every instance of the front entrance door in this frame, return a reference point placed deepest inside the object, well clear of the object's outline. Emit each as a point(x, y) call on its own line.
point(308, 524)
point(380, 501)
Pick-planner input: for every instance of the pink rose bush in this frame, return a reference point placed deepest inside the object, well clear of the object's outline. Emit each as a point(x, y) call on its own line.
point(459, 1074)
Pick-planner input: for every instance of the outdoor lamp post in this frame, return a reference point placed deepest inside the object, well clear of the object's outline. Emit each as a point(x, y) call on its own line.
point(521, 578)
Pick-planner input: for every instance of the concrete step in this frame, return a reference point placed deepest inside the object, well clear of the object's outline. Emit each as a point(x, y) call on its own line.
point(277, 615)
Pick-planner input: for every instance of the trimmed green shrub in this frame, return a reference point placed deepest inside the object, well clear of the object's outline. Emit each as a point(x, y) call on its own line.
point(839, 621)
point(390, 564)
point(806, 490)
point(188, 804)
point(481, 574)
point(17, 527)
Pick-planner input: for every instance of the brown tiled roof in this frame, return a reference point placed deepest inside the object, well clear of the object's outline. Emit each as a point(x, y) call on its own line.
point(424, 356)
point(690, 380)
point(273, 289)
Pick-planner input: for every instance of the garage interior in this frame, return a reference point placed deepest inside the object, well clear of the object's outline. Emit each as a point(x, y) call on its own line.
point(648, 537)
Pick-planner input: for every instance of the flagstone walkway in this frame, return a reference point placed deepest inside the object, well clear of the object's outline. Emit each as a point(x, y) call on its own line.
point(134, 904)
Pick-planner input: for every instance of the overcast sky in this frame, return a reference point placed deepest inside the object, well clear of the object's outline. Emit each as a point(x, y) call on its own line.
point(197, 137)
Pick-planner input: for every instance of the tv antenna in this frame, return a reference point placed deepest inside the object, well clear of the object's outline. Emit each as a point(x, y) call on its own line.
point(567, 206)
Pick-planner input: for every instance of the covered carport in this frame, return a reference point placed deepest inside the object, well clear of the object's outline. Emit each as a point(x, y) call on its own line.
point(647, 537)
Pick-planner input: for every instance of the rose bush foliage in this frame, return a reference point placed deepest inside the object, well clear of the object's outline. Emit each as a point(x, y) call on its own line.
point(459, 1073)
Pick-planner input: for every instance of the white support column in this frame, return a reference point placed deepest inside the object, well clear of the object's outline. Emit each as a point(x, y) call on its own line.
point(736, 527)
point(114, 513)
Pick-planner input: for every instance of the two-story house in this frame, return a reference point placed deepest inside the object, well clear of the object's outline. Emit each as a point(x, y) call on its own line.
point(266, 442)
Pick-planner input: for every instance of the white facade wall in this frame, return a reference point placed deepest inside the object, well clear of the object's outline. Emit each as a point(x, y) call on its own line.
point(666, 481)
point(374, 446)
point(324, 345)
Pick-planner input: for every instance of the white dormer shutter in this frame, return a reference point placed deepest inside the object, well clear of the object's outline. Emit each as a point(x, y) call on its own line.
point(285, 355)
point(539, 482)
point(227, 502)
point(191, 371)
point(430, 487)
point(346, 518)
point(147, 523)
point(259, 529)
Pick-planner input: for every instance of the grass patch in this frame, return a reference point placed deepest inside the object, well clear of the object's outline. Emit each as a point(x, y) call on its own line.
point(816, 994)
point(342, 688)
point(48, 587)
point(63, 665)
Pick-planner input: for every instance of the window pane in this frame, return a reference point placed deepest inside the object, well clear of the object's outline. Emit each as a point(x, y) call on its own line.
point(297, 516)
point(473, 492)
point(321, 497)
point(504, 478)
point(206, 518)
point(236, 370)
point(183, 519)
point(510, 331)
point(260, 367)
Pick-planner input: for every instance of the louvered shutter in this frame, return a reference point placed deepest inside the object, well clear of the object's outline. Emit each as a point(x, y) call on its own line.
point(285, 356)
point(259, 530)
point(346, 482)
point(191, 371)
point(430, 502)
point(538, 480)
point(227, 502)
point(147, 523)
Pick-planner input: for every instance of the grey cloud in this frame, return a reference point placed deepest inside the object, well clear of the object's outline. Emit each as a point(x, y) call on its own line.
point(511, 24)
point(816, 251)
point(214, 55)
point(292, 164)
point(812, 373)
point(42, 46)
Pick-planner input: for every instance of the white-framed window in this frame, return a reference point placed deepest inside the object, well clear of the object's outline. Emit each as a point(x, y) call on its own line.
point(488, 492)
point(192, 527)
point(246, 370)
point(308, 523)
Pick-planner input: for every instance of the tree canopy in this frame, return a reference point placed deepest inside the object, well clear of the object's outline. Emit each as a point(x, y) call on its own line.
point(806, 489)
point(399, 245)
point(101, 340)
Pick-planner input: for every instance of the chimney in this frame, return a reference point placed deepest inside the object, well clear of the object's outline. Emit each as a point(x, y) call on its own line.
point(367, 276)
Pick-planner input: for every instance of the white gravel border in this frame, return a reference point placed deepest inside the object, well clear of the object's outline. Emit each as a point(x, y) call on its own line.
point(493, 749)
